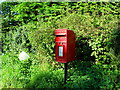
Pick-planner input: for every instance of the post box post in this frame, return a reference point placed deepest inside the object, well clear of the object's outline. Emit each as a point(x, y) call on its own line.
point(65, 72)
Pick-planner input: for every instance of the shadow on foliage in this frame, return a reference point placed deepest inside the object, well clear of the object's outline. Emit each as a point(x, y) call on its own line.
point(85, 76)
point(115, 53)
point(83, 50)
point(116, 40)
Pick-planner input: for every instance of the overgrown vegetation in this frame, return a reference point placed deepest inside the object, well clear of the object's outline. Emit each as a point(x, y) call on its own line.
point(30, 26)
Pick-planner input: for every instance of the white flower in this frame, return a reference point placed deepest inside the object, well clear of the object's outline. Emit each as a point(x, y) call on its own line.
point(23, 55)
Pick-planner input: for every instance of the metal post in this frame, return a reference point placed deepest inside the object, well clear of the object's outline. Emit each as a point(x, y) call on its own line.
point(65, 72)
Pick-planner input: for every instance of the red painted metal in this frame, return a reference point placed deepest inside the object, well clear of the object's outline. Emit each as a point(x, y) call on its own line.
point(64, 45)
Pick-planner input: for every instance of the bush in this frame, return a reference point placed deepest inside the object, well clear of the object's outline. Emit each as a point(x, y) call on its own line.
point(87, 76)
point(11, 72)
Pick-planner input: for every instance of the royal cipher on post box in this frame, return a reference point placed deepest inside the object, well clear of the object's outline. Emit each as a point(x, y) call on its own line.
point(64, 45)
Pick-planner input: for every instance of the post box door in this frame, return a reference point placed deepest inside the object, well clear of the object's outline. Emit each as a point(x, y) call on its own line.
point(61, 52)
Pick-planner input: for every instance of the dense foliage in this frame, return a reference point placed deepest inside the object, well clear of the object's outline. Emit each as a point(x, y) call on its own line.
point(30, 26)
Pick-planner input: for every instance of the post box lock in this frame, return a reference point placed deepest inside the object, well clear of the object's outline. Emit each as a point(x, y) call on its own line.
point(64, 45)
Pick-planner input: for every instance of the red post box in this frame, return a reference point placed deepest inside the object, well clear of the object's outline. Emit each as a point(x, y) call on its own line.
point(64, 45)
